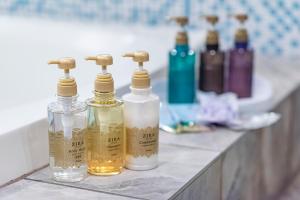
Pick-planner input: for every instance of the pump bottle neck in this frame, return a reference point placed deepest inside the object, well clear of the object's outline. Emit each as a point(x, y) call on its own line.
point(142, 92)
point(212, 47)
point(67, 100)
point(104, 97)
point(241, 45)
point(182, 48)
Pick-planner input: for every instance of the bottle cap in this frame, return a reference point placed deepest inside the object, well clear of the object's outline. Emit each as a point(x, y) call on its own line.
point(104, 81)
point(140, 78)
point(66, 86)
point(181, 36)
point(212, 19)
point(241, 34)
point(241, 17)
point(212, 37)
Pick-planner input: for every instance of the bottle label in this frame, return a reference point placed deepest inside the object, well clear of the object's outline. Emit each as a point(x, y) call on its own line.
point(142, 141)
point(106, 144)
point(67, 152)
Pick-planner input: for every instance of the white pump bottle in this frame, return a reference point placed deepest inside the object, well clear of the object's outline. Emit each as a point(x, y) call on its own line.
point(141, 113)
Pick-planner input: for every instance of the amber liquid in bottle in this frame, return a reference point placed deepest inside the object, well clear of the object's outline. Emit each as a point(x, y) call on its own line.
point(105, 135)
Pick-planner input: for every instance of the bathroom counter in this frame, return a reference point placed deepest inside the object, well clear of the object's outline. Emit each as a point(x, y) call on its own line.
point(223, 164)
point(23, 108)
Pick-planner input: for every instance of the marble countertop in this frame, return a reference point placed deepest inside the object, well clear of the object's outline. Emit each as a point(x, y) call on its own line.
point(23, 113)
point(183, 158)
point(178, 167)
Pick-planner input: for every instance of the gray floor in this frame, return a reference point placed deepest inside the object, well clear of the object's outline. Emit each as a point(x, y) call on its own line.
point(293, 191)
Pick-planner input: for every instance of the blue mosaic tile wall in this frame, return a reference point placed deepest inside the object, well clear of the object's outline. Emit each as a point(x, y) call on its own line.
point(274, 25)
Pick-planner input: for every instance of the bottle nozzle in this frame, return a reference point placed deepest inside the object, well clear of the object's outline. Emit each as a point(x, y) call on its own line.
point(103, 59)
point(91, 58)
point(180, 20)
point(241, 34)
point(66, 86)
point(212, 19)
point(131, 55)
point(212, 37)
point(64, 63)
point(104, 81)
point(140, 78)
point(138, 56)
point(241, 17)
point(53, 62)
point(181, 36)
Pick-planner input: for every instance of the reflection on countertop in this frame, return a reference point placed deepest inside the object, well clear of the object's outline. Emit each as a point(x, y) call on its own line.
point(223, 164)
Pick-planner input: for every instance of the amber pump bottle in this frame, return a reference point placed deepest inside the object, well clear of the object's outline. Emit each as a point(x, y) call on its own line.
point(105, 131)
point(211, 78)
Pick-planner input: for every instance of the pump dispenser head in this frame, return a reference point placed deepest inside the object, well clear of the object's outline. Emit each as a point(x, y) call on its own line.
point(182, 21)
point(241, 35)
point(66, 86)
point(140, 78)
point(212, 37)
point(104, 81)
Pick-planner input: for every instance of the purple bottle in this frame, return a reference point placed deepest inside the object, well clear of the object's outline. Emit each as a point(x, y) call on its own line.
point(240, 69)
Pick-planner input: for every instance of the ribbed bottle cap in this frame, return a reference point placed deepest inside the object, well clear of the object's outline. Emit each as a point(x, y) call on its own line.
point(140, 78)
point(212, 37)
point(241, 35)
point(181, 36)
point(104, 81)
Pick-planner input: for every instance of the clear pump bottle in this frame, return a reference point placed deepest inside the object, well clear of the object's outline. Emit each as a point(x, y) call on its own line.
point(105, 132)
point(181, 71)
point(240, 69)
point(142, 131)
point(67, 126)
point(211, 78)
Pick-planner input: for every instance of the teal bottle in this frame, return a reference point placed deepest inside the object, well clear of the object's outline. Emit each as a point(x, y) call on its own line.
point(181, 73)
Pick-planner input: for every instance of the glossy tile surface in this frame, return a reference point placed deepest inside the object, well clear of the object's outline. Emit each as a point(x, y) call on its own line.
point(178, 167)
point(218, 165)
point(32, 190)
point(218, 140)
